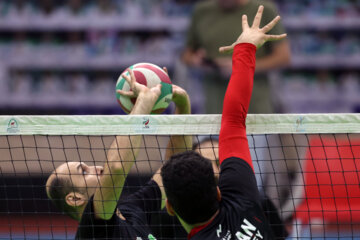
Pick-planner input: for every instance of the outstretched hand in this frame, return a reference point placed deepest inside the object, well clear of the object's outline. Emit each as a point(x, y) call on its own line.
point(254, 34)
point(137, 88)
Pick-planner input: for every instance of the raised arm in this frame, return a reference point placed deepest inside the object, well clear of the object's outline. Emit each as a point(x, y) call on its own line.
point(122, 152)
point(177, 143)
point(233, 141)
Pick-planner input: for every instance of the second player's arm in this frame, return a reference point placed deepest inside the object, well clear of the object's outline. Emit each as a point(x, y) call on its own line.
point(177, 143)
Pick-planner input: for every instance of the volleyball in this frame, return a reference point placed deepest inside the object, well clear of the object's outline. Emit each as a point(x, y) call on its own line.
point(149, 75)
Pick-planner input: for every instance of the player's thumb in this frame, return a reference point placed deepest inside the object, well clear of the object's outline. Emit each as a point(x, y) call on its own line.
point(157, 89)
point(225, 49)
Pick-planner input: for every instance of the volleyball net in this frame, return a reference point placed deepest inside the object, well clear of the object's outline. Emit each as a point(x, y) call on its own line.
point(307, 168)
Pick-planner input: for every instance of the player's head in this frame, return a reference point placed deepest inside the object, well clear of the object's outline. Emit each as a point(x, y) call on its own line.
point(191, 190)
point(71, 185)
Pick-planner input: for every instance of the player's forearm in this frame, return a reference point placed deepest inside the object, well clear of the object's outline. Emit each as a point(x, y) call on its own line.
point(238, 94)
point(280, 57)
point(183, 105)
point(144, 103)
point(124, 148)
point(122, 152)
point(120, 158)
point(233, 141)
point(177, 143)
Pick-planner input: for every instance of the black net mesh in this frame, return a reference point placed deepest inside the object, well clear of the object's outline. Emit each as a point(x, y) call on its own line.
point(309, 183)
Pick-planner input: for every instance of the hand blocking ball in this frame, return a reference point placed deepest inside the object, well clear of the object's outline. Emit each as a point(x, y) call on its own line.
point(149, 75)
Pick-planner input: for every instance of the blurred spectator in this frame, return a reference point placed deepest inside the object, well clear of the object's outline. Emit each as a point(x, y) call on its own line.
point(178, 8)
point(75, 7)
point(19, 43)
point(150, 8)
point(350, 86)
point(77, 84)
point(66, 13)
point(130, 9)
point(47, 7)
point(105, 7)
point(3, 7)
point(224, 17)
point(21, 84)
point(50, 85)
point(103, 86)
point(18, 8)
point(47, 39)
point(76, 46)
point(103, 12)
point(4, 89)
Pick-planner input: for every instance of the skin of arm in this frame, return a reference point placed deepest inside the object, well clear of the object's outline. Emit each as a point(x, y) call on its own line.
point(194, 57)
point(177, 143)
point(279, 57)
point(122, 153)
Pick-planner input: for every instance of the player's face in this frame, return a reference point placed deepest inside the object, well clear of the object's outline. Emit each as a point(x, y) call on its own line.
point(210, 150)
point(82, 176)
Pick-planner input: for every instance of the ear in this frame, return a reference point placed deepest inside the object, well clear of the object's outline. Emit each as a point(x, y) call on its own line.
point(169, 208)
point(218, 197)
point(75, 199)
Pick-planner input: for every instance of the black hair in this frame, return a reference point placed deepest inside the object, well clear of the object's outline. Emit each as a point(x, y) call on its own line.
point(57, 190)
point(190, 186)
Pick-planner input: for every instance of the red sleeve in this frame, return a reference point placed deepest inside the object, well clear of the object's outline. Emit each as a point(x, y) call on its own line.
point(233, 141)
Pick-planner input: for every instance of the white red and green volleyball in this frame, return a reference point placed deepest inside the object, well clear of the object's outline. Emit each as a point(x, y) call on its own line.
point(149, 75)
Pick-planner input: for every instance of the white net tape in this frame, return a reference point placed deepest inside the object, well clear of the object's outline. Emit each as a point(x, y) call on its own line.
point(176, 124)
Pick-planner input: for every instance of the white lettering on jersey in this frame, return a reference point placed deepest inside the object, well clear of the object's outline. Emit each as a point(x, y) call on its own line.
point(259, 235)
point(248, 228)
point(248, 232)
point(218, 231)
point(241, 236)
point(227, 236)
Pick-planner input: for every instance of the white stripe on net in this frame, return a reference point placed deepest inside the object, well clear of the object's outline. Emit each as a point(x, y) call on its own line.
point(176, 124)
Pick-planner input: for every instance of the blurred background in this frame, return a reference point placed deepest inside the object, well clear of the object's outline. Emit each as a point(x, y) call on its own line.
point(64, 56)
